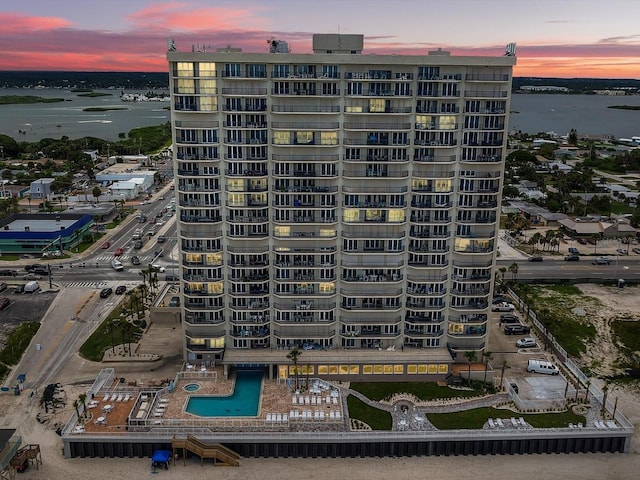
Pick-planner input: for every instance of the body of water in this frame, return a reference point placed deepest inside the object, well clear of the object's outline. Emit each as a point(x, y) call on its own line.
point(243, 402)
point(587, 114)
point(35, 121)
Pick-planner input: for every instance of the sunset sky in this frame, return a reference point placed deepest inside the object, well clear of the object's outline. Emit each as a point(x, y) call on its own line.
point(555, 38)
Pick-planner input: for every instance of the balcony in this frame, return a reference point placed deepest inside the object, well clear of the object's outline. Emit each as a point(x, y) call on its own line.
point(244, 91)
point(200, 219)
point(305, 108)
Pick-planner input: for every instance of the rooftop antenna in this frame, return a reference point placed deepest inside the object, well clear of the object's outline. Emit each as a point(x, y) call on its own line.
point(510, 50)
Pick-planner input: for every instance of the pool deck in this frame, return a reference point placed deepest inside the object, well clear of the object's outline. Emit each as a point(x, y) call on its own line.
point(151, 407)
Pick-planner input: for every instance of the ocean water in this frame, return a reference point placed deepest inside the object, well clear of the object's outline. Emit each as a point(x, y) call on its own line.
point(33, 122)
point(588, 114)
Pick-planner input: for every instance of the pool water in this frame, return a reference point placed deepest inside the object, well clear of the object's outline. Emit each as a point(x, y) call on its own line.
point(243, 402)
point(192, 387)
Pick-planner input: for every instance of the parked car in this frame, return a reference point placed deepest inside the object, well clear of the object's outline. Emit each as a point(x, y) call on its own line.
point(106, 245)
point(517, 329)
point(119, 251)
point(4, 303)
point(3, 286)
point(526, 342)
point(622, 251)
point(509, 318)
point(601, 261)
point(574, 251)
point(582, 241)
point(105, 292)
point(536, 258)
point(499, 299)
point(503, 307)
point(8, 273)
point(636, 250)
point(135, 260)
point(120, 289)
point(571, 258)
point(19, 289)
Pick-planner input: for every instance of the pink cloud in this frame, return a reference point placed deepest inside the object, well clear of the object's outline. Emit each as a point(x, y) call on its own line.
point(178, 16)
point(15, 23)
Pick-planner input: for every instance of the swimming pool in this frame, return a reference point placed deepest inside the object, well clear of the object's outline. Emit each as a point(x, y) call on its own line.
point(243, 402)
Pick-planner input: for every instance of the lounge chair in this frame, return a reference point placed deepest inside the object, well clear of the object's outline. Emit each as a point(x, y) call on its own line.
point(611, 424)
point(522, 422)
point(491, 424)
point(307, 400)
point(338, 415)
point(313, 400)
point(113, 397)
point(120, 397)
point(327, 399)
point(316, 415)
point(321, 415)
point(127, 397)
point(279, 418)
point(285, 418)
point(106, 397)
point(294, 400)
point(335, 400)
point(499, 422)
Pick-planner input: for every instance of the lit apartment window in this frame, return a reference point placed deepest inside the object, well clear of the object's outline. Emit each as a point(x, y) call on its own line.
point(206, 69)
point(281, 138)
point(282, 231)
point(351, 215)
point(447, 122)
point(208, 104)
point(396, 215)
point(304, 138)
point(186, 85)
point(214, 259)
point(184, 69)
point(235, 184)
point(442, 185)
point(207, 86)
point(327, 232)
point(377, 105)
point(329, 138)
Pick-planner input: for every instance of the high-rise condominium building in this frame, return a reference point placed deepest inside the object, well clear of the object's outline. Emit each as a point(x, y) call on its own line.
point(339, 205)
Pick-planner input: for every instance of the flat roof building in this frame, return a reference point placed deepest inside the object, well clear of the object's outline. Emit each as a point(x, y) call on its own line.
point(342, 204)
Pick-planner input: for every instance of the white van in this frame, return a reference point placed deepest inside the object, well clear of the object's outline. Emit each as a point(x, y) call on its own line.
point(117, 265)
point(542, 366)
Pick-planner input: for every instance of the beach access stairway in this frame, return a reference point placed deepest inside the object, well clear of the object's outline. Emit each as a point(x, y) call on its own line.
point(220, 454)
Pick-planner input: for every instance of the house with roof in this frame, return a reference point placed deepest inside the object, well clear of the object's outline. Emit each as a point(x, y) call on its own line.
point(41, 188)
point(538, 215)
point(530, 190)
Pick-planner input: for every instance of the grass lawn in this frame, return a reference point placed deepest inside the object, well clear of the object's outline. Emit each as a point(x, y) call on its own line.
point(375, 418)
point(422, 390)
point(553, 305)
point(101, 340)
point(476, 418)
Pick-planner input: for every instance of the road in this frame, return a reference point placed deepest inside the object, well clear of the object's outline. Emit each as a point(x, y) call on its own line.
point(626, 267)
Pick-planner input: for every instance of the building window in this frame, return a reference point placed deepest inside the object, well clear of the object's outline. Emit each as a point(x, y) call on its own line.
point(281, 138)
point(184, 69)
point(207, 86)
point(282, 231)
point(329, 138)
point(377, 105)
point(206, 69)
point(396, 216)
point(304, 138)
point(186, 85)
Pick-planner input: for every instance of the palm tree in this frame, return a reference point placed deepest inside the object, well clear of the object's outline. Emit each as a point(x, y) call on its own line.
point(76, 404)
point(83, 398)
point(470, 355)
point(294, 355)
point(513, 269)
point(96, 192)
point(504, 366)
point(486, 356)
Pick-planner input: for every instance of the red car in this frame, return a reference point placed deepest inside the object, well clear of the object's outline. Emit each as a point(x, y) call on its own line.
point(4, 303)
point(106, 245)
point(119, 251)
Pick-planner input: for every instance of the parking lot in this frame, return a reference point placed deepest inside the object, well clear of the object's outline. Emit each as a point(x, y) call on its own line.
point(24, 307)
